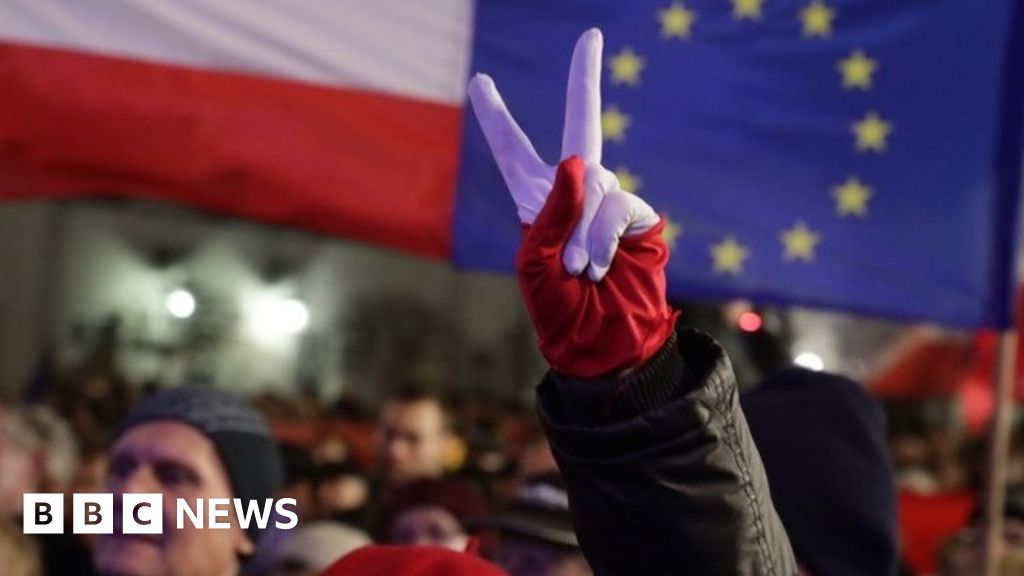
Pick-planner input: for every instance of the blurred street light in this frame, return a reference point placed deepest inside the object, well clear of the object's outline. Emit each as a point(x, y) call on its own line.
point(181, 303)
point(809, 360)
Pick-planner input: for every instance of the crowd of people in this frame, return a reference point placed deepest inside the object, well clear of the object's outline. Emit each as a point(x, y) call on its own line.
point(426, 469)
point(423, 470)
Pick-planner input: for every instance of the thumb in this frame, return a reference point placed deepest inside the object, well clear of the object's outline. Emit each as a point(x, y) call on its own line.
point(561, 212)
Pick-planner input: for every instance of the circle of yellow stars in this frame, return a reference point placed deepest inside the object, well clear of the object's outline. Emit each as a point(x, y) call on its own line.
point(870, 133)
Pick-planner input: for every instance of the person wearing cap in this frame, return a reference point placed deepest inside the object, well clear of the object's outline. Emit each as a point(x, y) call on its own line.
point(411, 561)
point(311, 548)
point(644, 420)
point(537, 535)
point(188, 443)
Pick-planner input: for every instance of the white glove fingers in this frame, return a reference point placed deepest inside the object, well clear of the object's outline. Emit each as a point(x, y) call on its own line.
point(581, 135)
point(610, 222)
point(643, 216)
point(596, 180)
point(516, 158)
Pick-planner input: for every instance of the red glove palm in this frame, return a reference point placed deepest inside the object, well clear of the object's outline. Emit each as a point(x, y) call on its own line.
point(586, 328)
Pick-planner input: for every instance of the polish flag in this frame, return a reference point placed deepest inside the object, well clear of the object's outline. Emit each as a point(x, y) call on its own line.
point(342, 117)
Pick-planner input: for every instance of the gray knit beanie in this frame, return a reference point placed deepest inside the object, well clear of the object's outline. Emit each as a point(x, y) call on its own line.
point(240, 434)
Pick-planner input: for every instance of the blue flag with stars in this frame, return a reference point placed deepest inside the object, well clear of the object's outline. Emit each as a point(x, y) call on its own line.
point(858, 155)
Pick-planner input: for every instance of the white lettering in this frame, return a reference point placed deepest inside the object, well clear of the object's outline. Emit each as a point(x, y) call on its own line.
point(218, 508)
point(261, 515)
point(195, 516)
point(293, 518)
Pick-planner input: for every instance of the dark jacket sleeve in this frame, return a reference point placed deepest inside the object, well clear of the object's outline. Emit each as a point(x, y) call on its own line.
point(663, 475)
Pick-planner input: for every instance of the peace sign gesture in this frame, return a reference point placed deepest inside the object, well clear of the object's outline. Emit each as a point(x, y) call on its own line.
point(578, 218)
point(607, 213)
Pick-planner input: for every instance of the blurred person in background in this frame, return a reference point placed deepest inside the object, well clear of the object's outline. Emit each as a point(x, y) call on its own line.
point(537, 537)
point(964, 553)
point(411, 561)
point(342, 493)
point(18, 458)
point(94, 395)
point(431, 512)
point(822, 440)
point(38, 453)
point(311, 548)
point(415, 436)
point(910, 446)
point(189, 443)
point(19, 555)
point(300, 477)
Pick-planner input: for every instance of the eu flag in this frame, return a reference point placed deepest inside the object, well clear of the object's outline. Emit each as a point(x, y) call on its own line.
point(859, 155)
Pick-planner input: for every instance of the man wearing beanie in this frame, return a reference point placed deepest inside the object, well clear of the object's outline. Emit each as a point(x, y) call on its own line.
point(188, 443)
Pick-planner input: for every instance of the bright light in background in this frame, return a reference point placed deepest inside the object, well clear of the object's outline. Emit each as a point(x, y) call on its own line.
point(809, 360)
point(181, 303)
point(750, 322)
point(281, 316)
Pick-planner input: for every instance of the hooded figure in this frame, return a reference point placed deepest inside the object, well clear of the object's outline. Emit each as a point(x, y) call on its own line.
point(822, 440)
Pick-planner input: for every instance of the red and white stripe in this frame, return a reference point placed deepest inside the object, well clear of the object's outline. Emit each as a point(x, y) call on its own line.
point(341, 117)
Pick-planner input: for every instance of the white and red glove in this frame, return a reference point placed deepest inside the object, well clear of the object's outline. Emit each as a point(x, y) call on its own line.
point(576, 219)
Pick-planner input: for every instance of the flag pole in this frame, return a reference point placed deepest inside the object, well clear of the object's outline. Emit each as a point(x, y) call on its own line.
point(999, 448)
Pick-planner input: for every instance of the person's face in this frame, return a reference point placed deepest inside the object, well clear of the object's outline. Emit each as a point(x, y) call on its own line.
point(964, 554)
point(428, 526)
point(521, 557)
point(179, 462)
point(17, 479)
point(342, 494)
point(19, 476)
point(413, 441)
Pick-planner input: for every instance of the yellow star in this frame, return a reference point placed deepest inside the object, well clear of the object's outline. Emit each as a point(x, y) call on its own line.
point(676, 21)
point(800, 242)
point(852, 198)
point(614, 124)
point(728, 256)
point(871, 133)
point(628, 181)
point(671, 231)
point(857, 70)
point(750, 9)
point(626, 67)
point(817, 19)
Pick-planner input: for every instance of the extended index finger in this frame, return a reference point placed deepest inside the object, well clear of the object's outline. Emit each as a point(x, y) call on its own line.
point(508, 143)
point(582, 133)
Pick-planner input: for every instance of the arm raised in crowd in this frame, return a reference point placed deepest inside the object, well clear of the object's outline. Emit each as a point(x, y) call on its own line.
point(644, 420)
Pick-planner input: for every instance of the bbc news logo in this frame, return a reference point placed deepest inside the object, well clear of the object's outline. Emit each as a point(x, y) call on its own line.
point(144, 513)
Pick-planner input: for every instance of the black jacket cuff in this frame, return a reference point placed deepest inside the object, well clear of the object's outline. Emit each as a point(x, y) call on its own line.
point(597, 402)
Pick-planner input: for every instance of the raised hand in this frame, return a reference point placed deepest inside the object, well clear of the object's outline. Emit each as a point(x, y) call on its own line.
point(608, 212)
point(577, 219)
